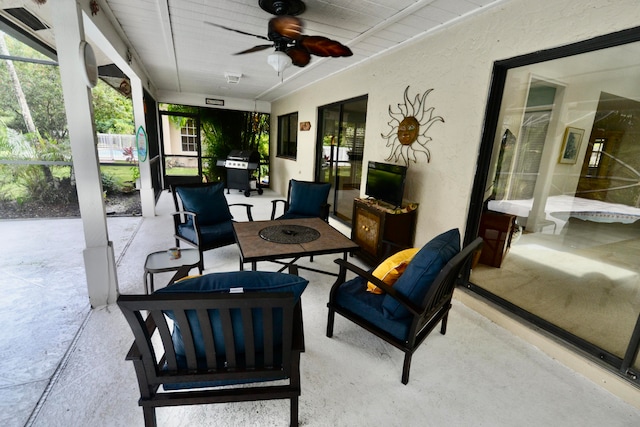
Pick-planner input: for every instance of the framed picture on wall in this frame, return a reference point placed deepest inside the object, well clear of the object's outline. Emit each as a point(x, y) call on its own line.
point(571, 145)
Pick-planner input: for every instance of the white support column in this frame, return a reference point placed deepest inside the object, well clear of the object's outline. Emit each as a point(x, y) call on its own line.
point(101, 31)
point(99, 258)
point(147, 196)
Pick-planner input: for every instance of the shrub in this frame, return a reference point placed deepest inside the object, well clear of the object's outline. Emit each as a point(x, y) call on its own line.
point(110, 184)
point(37, 188)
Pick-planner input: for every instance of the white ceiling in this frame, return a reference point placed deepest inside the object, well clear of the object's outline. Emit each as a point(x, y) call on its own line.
point(182, 53)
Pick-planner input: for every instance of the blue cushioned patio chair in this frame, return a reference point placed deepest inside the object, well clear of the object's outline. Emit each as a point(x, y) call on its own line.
point(224, 345)
point(202, 218)
point(408, 311)
point(304, 200)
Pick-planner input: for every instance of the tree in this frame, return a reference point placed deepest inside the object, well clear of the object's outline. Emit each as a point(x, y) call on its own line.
point(42, 89)
point(24, 111)
point(31, 103)
point(112, 112)
point(17, 88)
point(42, 112)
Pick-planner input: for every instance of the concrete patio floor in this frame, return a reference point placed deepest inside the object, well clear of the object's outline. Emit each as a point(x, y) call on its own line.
point(62, 363)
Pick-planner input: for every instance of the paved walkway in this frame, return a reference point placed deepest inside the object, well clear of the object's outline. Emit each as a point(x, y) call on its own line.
point(43, 303)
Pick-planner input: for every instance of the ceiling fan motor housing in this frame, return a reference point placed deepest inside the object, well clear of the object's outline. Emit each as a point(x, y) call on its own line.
point(292, 47)
point(282, 7)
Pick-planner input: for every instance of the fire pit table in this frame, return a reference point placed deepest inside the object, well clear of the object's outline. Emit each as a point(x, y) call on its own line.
point(289, 238)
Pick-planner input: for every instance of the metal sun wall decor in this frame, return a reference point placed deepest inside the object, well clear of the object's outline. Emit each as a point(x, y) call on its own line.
point(410, 125)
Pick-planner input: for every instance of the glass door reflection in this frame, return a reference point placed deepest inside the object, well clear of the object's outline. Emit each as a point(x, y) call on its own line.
point(340, 148)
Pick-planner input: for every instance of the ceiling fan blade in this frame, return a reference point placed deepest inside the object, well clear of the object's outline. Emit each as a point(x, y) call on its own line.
point(323, 46)
point(255, 49)
point(236, 31)
point(286, 26)
point(299, 56)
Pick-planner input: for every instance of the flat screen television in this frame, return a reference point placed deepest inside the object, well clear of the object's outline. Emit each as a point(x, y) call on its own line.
point(386, 182)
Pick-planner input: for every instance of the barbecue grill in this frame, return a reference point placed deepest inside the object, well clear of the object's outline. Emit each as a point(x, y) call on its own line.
point(240, 165)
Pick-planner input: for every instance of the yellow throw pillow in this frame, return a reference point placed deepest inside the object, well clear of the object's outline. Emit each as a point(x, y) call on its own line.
point(391, 269)
point(187, 277)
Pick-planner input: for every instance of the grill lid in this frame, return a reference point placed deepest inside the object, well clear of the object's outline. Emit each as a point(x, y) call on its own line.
point(244, 156)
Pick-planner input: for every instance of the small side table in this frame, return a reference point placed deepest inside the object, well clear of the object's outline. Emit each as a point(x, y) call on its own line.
point(161, 262)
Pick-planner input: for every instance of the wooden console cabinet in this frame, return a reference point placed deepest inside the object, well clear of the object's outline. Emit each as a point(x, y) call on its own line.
point(373, 224)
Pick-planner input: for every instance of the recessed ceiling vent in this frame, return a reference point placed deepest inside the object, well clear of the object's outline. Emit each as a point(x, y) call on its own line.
point(233, 78)
point(27, 18)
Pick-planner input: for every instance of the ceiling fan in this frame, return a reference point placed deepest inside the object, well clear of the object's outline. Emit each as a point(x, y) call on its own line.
point(285, 35)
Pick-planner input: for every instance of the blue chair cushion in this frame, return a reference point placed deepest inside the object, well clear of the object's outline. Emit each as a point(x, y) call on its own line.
point(214, 233)
point(421, 271)
point(208, 202)
point(307, 198)
point(353, 296)
point(222, 283)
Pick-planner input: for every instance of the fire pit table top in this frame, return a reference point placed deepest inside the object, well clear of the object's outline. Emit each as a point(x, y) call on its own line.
point(289, 238)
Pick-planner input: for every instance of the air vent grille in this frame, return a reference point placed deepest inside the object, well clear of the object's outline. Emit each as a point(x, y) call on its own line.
point(27, 18)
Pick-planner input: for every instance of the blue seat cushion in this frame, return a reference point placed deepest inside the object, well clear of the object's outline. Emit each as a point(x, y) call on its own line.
point(418, 277)
point(213, 233)
point(222, 282)
point(353, 296)
point(307, 198)
point(208, 202)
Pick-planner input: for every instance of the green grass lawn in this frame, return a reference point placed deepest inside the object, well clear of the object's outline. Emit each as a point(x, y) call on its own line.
point(121, 174)
point(182, 171)
point(14, 184)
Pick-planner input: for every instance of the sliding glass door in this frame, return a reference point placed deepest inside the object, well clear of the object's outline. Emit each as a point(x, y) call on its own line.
point(339, 148)
point(557, 196)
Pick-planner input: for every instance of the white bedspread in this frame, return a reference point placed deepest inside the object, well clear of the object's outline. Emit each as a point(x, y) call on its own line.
point(563, 207)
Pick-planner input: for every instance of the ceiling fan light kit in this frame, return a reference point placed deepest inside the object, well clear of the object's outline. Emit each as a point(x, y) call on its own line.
point(280, 61)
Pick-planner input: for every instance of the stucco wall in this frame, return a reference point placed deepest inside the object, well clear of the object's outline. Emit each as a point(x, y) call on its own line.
point(456, 62)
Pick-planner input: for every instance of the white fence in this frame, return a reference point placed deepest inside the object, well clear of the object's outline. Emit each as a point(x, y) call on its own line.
point(112, 147)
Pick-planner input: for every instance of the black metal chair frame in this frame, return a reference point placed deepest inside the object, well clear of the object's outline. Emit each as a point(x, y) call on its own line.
point(424, 317)
point(181, 217)
point(274, 203)
point(156, 364)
